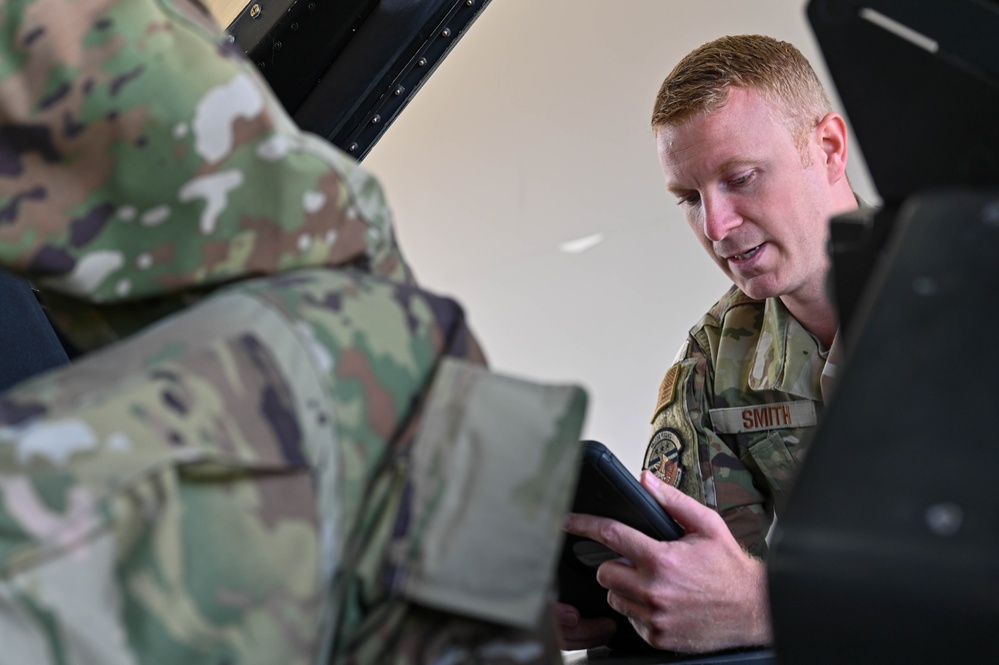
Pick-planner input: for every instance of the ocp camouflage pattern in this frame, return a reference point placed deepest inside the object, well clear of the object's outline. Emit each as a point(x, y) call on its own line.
point(286, 451)
point(236, 485)
point(143, 156)
point(752, 364)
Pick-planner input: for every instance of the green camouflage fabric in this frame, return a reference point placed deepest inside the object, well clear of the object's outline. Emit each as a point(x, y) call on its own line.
point(292, 471)
point(736, 410)
point(278, 448)
point(144, 159)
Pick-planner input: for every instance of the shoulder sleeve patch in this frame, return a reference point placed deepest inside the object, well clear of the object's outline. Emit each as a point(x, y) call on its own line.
point(662, 457)
point(672, 452)
point(667, 390)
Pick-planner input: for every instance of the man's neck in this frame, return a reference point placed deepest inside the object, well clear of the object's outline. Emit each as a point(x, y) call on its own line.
point(810, 306)
point(816, 315)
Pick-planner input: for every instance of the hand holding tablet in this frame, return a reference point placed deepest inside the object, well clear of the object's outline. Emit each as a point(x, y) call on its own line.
point(607, 489)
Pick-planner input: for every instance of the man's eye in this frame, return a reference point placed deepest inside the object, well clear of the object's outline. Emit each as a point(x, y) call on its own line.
point(741, 180)
point(689, 199)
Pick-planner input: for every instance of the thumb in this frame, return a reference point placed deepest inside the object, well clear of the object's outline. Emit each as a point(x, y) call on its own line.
point(691, 514)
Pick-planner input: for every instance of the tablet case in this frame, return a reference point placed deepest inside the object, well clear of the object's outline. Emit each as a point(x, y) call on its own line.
point(608, 489)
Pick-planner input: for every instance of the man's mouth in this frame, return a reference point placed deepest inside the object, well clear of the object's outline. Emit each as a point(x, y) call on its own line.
point(745, 256)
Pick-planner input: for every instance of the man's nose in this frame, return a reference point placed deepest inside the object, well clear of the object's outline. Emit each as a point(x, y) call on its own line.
point(720, 218)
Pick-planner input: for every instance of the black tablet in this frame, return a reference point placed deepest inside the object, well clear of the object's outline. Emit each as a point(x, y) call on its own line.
point(606, 488)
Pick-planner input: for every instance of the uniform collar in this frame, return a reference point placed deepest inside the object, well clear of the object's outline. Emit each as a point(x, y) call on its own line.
point(787, 358)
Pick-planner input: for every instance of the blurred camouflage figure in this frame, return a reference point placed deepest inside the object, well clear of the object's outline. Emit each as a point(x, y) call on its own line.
point(302, 459)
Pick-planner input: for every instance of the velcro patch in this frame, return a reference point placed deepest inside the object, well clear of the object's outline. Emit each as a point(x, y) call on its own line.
point(662, 457)
point(667, 390)
point(760, 417)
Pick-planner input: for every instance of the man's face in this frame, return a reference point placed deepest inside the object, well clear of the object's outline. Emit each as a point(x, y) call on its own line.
point(758, 205)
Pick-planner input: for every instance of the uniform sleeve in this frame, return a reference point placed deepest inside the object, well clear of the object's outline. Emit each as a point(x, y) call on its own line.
point(141, 153)
point(685, 451)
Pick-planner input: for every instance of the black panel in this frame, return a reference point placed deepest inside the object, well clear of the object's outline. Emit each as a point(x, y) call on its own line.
point(293, 42)
point(888, 548)
point(345, 69)
point(923, 119)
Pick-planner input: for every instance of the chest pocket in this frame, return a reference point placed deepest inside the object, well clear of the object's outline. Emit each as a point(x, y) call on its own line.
point(777, 464)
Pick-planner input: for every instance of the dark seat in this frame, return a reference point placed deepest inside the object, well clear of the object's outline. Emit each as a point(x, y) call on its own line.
point(28, 344)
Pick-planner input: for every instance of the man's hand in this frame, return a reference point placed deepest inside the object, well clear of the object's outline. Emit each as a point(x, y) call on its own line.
point(700, 593)
point(578, 633)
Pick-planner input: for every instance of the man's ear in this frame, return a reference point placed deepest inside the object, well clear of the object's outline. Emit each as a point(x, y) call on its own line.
point(831, 134)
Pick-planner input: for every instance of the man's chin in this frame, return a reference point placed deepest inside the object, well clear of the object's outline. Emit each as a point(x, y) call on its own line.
point(760, 288)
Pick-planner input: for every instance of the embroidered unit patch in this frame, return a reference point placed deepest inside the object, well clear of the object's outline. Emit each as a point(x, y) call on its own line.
point(663, 456)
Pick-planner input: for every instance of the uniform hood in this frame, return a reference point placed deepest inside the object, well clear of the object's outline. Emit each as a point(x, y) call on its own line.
point(143, 162)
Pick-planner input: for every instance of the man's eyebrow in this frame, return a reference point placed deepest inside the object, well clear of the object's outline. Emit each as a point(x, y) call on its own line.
point(728, 165)
point(736, 162)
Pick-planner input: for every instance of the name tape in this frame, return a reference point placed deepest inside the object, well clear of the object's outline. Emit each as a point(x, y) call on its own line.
point(781, 415)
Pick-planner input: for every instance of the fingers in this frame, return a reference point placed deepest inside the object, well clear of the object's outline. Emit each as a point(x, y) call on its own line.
point(566, 615)
point(622, 579)
point(576, 632)
point(631, 609)
point(629, 543)
point(654, 625)
point(692, 515)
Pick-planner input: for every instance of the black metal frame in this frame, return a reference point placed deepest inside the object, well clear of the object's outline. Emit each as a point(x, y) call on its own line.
point(293, 42)
point(345, 69)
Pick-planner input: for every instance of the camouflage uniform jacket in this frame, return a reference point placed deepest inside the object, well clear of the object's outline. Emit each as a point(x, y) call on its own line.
point(278, 449)
point(735, 411)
